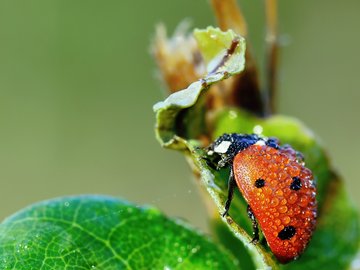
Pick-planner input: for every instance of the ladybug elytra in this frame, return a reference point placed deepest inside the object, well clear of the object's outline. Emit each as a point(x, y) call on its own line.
point(279, 189)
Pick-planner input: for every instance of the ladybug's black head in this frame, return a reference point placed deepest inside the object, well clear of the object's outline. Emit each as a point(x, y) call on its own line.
point(228, 145)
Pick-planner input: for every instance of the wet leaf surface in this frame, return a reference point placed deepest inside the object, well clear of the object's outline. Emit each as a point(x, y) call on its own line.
point(93, 232)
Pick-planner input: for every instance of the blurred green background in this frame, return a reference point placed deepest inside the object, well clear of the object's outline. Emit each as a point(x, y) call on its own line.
point(77, 85)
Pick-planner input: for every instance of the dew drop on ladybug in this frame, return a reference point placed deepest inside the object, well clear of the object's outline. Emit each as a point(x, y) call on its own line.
point(277, 186)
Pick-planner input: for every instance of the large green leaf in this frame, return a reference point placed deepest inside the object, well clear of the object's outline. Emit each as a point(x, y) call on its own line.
point(92, 232)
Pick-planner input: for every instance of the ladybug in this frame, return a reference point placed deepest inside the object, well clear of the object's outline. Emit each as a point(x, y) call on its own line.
point(279, 189)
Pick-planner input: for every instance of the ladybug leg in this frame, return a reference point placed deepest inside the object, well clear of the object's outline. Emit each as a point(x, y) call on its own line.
point(210, 163)
point(254, 225)
point(231, 188)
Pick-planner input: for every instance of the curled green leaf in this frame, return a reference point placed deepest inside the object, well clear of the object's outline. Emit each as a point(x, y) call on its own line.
point(225, 54)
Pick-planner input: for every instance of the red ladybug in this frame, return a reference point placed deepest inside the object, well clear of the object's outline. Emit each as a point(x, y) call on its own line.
point(278, 188)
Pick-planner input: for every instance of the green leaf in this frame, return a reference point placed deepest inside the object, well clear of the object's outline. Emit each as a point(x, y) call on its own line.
point(214, 44)
point(93, 232)
point(233, 244)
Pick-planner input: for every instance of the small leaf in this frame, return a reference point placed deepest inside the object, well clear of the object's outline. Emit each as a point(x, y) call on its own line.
point(92, 232)
point(227, 50)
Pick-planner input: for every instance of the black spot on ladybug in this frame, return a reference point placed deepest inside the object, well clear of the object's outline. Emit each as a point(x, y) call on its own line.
point(259, 183)
point(287, 233)
point(296, 183)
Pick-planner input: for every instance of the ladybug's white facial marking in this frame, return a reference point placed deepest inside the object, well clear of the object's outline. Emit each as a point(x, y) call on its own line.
point(260, 142)
point(222, 147)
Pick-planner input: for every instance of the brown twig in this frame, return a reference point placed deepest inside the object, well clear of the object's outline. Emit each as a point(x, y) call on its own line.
point(242, 90)
point(271, 55)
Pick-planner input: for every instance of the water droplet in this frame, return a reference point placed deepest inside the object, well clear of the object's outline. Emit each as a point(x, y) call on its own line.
point(233, 114)
point(293, 198)
point(303, 201)
point(66, 204)
point(258, 129)
point(283, 209)
point(274, 202)
point(286, 220)
point(195, 249)
point(282, 176)
point(277, 222)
